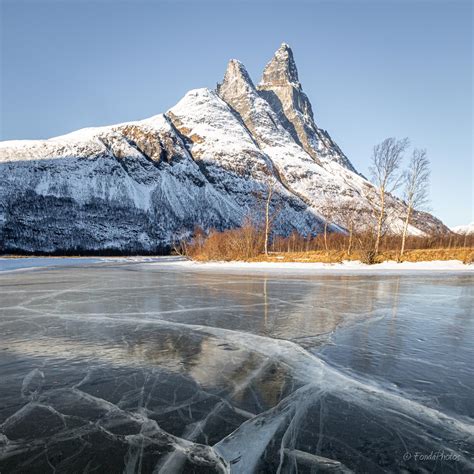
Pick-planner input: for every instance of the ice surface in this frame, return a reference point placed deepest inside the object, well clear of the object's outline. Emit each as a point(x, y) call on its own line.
point(125, 366)
point(11, 264)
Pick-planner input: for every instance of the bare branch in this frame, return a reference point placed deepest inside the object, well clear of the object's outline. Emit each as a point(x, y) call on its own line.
point(386, 161)
point(416, 179)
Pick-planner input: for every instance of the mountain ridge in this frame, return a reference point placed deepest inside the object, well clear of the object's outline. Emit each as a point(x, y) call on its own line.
point(207, 161)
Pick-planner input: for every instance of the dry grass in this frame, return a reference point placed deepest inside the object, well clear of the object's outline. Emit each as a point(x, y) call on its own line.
point(465, 255)
point(247, 243)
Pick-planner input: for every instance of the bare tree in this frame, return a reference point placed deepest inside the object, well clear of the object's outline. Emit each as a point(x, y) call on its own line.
point(347, 215)
point(416, 181)
point(386, 160)
point(179, 244)
point(328, 211)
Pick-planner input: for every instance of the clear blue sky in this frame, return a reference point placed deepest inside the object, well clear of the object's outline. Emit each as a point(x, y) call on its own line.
point(372, 69)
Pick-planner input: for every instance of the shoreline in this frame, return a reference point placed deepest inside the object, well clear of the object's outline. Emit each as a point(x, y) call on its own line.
point(8, 264)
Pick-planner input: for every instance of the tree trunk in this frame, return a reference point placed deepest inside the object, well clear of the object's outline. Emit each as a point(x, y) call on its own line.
point(267, 219)
point(266, 230)
point(349, 246)
point(380, 221)
point(405, 229)
point(326, 236)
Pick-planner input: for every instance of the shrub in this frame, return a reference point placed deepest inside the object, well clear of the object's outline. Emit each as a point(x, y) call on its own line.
point(235, 244)
point(368, 256)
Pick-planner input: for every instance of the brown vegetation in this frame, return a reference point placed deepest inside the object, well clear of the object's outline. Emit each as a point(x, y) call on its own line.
point(248, 243)
point(334, 256)
point(243, 243)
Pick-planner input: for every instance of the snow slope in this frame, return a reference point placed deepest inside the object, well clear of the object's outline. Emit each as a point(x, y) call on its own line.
point(467, 229)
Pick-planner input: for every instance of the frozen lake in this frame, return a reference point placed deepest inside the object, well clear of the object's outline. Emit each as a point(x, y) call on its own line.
point(134, 367)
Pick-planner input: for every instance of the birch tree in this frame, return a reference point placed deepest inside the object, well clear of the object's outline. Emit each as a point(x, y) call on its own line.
point(347, 215)
point(327, 210)
point(386, 160)
point(415, 183)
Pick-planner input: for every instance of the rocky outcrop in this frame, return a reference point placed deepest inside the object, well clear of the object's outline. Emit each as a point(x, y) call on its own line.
point(281, 88)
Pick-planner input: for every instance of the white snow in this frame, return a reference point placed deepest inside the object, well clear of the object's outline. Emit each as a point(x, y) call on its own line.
point(466, 229)
point(319, 267)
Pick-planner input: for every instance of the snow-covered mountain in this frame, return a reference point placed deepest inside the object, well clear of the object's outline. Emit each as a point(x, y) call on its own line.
point(206, 162)
point(467, 229)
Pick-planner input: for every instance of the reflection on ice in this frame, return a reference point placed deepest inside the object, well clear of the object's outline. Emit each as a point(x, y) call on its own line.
point(120, 368)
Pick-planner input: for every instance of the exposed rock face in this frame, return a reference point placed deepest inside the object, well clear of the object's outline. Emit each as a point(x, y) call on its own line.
point(281, 88)
point(207, 162)
point(296, 169)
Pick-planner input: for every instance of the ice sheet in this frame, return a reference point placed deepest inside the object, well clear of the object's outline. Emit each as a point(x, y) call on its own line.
point(155, 367)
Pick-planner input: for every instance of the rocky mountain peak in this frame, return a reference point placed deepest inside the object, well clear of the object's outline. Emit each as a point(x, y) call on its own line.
point(281, 70)
point(236, 82)
point(281, 88)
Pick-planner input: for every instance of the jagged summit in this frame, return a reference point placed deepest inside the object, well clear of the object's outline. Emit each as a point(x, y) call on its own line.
point(281, 88)
point(236, 80)
point(281, 70)
point(285, 104)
